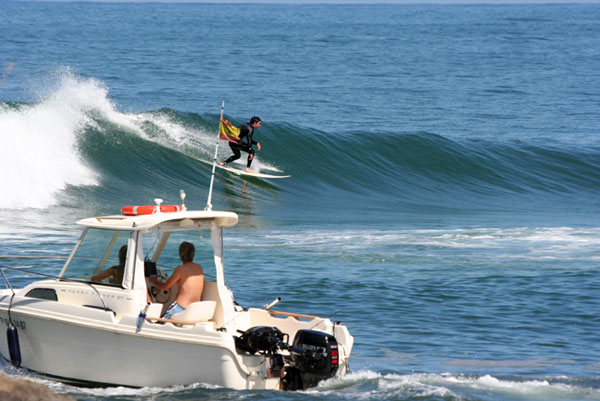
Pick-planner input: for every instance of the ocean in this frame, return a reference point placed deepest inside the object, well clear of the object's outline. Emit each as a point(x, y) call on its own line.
point(444, 199)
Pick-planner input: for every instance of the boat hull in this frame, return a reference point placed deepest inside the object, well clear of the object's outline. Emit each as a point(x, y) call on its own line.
point(99, 351)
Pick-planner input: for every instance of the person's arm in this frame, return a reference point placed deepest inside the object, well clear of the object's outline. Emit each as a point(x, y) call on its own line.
point(252, 141)
point(101, 276)
point(169, 283)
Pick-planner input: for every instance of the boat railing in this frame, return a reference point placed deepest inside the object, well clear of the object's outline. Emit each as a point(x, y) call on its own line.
point(2, 268)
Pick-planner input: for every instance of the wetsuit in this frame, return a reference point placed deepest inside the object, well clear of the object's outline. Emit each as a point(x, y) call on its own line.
point(246, 132)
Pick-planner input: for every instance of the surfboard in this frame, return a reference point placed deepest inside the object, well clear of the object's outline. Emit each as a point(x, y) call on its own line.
point(253, 174)
point(244, 173)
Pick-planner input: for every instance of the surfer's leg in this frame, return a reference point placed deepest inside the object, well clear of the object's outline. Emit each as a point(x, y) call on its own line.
point(235, 148)
point(250, 157)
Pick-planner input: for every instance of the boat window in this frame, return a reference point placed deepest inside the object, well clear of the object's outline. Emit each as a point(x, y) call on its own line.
point(43, 293)
point(98, 258)
point(168, 259)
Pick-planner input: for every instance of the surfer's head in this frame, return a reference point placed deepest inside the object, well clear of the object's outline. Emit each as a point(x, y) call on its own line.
point(255, 122)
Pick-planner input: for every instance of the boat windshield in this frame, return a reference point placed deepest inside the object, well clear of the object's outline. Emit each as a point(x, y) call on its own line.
point(164, 250)
point(100, 257)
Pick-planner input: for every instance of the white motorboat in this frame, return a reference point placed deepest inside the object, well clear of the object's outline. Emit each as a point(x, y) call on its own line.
point(75, 329)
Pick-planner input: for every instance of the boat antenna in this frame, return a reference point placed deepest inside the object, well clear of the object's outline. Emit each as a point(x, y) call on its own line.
point(182, 196)
point(157, 202)
point(212, 177)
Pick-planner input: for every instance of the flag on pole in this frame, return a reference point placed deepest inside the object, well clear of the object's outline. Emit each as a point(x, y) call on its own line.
point(228, 132)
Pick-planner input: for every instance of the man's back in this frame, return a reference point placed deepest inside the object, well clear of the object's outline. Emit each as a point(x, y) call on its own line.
point(190, 282)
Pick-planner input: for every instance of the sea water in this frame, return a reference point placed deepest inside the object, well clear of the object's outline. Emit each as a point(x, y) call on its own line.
point(445, 161)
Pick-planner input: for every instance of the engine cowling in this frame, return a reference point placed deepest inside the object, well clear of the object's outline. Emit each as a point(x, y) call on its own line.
point(262, 339)
point(314, 357)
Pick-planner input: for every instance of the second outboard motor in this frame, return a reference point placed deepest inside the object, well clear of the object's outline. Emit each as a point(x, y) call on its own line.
point(314, 357)
point(263, 339)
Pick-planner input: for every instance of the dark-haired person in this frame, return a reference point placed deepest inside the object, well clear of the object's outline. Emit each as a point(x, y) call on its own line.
point(189, 277)
point(245, 143)
point(115, 272)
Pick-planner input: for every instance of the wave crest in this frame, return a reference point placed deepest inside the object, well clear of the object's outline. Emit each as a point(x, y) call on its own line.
point(75, 137)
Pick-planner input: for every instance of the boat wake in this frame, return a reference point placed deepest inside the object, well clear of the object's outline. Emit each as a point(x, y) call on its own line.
point(370, 385)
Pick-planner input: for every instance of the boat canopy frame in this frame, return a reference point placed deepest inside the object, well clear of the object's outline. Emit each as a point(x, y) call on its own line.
point(165, 224)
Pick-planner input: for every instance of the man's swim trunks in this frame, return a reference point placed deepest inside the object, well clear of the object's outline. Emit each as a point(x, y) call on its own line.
point(172, 309)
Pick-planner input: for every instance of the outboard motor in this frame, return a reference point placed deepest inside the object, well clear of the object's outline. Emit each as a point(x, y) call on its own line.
point(314, 357)
point(262, 339)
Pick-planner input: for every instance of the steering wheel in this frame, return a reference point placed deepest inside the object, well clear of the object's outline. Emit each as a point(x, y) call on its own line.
point(158, 295)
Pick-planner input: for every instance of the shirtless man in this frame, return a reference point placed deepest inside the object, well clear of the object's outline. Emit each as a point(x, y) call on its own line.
point(189, 277)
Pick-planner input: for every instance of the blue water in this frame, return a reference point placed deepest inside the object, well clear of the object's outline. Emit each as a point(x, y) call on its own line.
point(445, 162)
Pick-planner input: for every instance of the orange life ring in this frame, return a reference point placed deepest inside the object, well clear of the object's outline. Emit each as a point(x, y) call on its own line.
point(149, 209)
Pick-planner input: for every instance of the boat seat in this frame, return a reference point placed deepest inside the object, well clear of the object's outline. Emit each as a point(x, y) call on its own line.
point(201, 311)
point(154, 310)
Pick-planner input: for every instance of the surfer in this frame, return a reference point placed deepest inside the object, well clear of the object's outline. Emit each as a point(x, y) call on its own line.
point(244, 142)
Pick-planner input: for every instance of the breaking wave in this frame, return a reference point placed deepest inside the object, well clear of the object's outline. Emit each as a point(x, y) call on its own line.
point(74, 139)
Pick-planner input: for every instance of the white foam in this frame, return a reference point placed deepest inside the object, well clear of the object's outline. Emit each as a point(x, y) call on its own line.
point(537, 389)
point(523, 243)
point(450, 385)
point(194, 142)
point(142, 393)
point(352, 386)
point(40, 156)
point(172, 134)
point(369, 385)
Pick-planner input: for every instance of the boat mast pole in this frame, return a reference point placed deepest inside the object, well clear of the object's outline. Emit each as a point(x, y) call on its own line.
point(212, 177)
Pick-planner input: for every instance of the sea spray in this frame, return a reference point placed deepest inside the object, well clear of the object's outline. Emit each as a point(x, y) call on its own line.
point(40, 156)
